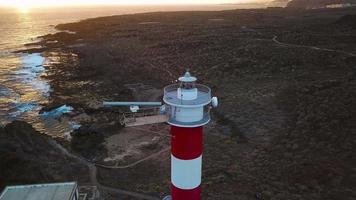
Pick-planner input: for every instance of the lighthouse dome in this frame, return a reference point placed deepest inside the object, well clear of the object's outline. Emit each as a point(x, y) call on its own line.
point(187, 78)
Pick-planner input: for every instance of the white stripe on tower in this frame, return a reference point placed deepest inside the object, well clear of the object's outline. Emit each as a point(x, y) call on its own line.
point(186, 174)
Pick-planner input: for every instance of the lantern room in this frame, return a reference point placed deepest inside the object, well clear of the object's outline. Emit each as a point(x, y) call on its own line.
point(187, 103)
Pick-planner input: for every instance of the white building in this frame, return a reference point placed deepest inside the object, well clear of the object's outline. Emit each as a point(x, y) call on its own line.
point(52, 191)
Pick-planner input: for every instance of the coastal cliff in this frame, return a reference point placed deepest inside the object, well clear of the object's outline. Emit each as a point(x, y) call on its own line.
point(29, 157)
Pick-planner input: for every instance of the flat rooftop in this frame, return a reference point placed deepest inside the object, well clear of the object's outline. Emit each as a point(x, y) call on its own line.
point(52, 191)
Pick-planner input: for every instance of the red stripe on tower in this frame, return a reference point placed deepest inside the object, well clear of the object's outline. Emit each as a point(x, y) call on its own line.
point(187, 143)
point(185, 194)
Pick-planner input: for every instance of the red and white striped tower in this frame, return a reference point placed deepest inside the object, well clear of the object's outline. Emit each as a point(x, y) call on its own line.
point(188, 108)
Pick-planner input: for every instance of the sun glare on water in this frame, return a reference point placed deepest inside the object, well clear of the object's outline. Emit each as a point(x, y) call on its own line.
point(23, 9)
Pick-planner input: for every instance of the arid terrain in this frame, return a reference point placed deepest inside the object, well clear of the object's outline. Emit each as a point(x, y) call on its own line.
point(317, 3)
point(285, 78)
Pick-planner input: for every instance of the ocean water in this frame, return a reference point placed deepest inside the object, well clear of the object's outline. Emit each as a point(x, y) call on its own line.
point(23, 86)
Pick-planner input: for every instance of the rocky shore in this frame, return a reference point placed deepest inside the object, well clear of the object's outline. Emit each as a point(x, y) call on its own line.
point(285, 79)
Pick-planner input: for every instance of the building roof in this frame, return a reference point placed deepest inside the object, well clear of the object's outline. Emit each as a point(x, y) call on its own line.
point(53, 191)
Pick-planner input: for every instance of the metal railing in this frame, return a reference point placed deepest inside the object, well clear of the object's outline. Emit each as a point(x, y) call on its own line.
point(172, 117)
point(170, 95)
point(130, 103)
point(130, 117)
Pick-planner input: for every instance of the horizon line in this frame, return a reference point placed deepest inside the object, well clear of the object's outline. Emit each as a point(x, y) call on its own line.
point(131, 4)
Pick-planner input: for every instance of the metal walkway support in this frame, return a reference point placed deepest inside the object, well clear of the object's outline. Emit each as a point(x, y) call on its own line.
point(130, 103)
point(150, 114)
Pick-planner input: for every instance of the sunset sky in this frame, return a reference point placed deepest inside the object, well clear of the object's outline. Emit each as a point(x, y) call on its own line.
point(25, 6)
point(42, 3)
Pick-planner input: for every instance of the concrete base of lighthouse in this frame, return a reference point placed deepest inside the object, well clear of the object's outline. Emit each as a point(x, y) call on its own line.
point(186, 162)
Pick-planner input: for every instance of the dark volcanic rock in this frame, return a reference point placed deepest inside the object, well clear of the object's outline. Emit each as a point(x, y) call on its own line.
point(249, 58)
point(30, 157)
point(309, 4)
point(347, 21)
point(317, 154)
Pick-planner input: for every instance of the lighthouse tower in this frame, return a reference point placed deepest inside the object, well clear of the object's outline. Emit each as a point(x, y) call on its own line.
point(188, 106)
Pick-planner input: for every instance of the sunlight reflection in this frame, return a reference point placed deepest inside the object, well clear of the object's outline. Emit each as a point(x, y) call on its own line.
point(23, 9)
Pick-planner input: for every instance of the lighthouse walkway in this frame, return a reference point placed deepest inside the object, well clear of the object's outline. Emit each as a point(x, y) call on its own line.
point(146, 120)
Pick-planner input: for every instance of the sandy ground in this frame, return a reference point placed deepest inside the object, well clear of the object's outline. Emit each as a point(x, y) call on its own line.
point(136, 143)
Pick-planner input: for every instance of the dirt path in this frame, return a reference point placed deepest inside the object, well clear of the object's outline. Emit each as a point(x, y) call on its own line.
point(93, 178)
point(93, 173)
point(135, 163)
point(311, 47)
